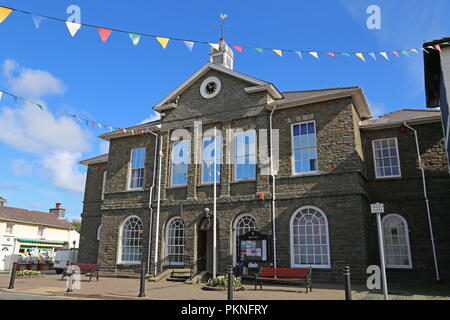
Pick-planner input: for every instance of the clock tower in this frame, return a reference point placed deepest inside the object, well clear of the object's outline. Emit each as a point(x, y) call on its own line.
point(223, 57)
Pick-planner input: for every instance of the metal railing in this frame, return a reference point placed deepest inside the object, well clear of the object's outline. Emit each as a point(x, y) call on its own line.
point(170, 261)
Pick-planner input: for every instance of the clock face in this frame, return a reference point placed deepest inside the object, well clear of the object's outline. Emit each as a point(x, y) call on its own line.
point(210, 87)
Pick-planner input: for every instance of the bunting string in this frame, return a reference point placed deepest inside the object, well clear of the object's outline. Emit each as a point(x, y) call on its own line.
point(135, 37)
point(87, 122)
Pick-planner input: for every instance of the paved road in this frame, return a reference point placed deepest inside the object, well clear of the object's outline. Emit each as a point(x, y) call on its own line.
point(18, 296)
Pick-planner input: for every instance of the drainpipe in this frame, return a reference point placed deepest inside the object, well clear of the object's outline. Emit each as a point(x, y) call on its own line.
point(427, 202)
point(158, 204)
point(150, 201)
point(215, 208)
point(273, 192)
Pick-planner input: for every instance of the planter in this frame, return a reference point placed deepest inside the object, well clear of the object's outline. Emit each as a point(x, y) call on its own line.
point(211, 288)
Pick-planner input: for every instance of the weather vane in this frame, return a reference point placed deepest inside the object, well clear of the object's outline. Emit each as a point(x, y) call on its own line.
point(222, 26)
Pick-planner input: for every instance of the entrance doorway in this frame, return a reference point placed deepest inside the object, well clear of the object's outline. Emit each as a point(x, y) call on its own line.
point(205, 246)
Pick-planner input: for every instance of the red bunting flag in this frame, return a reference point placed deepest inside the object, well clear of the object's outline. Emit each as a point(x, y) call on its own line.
point(332, 54)
point(93, 124)
point(104, 33)
point(238, 48)
point(396, 53)
point(438, 48)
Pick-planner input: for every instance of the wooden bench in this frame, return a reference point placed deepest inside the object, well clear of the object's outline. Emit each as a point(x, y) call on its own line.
point(302, 275)
point(90, 270)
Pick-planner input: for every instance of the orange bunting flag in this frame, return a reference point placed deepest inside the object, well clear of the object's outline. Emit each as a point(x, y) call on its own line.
point(396, 53)
point(331, 54)
point(361, 56)
point(163, 41)
point(4, 13)
point(278, 52)
point(238, 48)
point(104, 33)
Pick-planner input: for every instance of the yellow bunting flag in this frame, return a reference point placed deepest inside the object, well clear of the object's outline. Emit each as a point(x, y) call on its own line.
point(278, 52)
point(4, 13)
point(361, 56)
point(414, 50)
point(163, 41)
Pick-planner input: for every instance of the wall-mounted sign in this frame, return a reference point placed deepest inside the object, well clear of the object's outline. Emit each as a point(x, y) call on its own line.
point(253, 247)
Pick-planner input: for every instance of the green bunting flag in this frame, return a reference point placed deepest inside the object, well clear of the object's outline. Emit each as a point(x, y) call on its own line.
point(135, 38)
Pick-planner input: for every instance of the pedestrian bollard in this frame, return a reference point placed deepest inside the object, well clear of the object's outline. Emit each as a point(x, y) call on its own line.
point(13, 276)
point(142, 287)
point(230, 283)
point(71, 280)
point(348, 287)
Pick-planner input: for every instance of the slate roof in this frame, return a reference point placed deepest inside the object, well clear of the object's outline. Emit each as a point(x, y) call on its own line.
point(98, 159)
point(33, 217)
point(310, 94)
point(400, 116)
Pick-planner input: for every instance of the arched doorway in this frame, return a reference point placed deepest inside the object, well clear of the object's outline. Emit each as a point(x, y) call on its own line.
point(205, 245)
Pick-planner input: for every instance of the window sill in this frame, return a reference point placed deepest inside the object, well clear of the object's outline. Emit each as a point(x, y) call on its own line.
point(134, 190)
point(400, 267)
point(306, 174)
point(243, 181)
point(312, 267)
point(177, 187)
point(207, 184)
point(388, 178)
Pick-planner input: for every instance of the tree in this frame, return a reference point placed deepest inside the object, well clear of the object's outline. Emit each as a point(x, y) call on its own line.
point(76, 224)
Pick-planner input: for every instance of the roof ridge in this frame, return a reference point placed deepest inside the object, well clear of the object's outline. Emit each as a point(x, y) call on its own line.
point(407, 109)
point(325, 89)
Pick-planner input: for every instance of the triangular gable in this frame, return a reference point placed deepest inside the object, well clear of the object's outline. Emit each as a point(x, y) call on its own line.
point(208, 66)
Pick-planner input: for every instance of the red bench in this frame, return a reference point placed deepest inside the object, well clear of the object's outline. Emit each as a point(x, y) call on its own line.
point(90, 270)
point(302, 275)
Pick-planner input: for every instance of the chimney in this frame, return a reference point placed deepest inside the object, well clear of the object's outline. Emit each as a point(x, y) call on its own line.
point(223, 57)
point(2, 202)
point(59, 212)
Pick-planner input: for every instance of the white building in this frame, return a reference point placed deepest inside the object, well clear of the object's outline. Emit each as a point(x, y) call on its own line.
point(23, 231)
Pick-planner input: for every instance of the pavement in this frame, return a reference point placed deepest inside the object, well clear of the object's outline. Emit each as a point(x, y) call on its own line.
point(50, 285)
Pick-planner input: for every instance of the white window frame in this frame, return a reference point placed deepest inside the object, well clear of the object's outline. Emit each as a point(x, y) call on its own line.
point(130, 169)
point(104, 185)
point(44, 231)
point(408, 244)
point(119, 247)
point(218, 161)
point(167, 239)
point(235, 235)
point(244, 132)
point(171, 164)
point(291, 235)
point(294, 173)
point(375, 159)
point(12, 229)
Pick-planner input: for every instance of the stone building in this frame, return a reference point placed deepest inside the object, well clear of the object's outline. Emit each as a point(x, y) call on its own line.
point(151, 198)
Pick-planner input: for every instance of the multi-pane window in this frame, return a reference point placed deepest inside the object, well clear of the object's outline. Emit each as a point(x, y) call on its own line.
point(396, 242)
point(244, 223)
point(131, 241)
point(309, 238)
point(137, 168)
point(175, 241)
point(387, 162)
point(9, 228)
point(245, 155)
point(210, 157)
point(41, 231)
point(180, 162)
point(304, 147)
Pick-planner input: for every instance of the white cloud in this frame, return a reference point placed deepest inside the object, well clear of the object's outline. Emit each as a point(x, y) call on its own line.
point(61, 168)
point(378, 109)
point(104, 147)
point(57, 140)
point(31, 82)
point(155, 116)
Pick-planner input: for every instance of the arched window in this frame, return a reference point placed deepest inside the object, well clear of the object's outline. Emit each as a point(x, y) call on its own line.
point(130, 251)
point(396, 241)
point(309, 238)
point(98, 232)
point(242, 224)
point(175, 241)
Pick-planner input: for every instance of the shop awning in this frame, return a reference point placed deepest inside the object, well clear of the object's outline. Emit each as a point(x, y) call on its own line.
point(42, 242)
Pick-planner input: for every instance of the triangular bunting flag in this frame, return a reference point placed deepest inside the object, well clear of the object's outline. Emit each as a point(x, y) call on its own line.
point(260, 50)
point(300, 54)
point(373, 55)
point(424, 50)
point(40, 107)
point(314, 54)
point(163, 41)
point(384, 54)
point(104, 33)
point(405, 52)
point(361, 56)
point(238, 48)
point(4, 13)
point(346, 54)
point(37, 20)
point(110, 128)
point(438, 48)
point(1, 94)
point(93, 123)
point(331, 54)
point(396, 53)
point(278, 52)
point(189, 45)
point(414, 50)
point(99, 125)
point(73, 27)
point(215, 46)
point(135, 38)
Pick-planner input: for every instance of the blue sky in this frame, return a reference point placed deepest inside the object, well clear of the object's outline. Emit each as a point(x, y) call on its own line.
point(117, 83)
